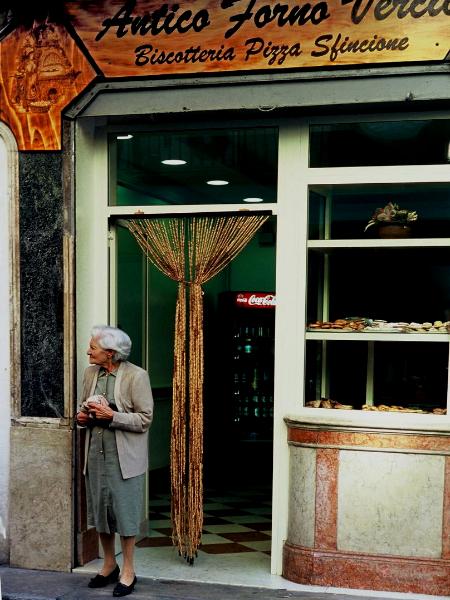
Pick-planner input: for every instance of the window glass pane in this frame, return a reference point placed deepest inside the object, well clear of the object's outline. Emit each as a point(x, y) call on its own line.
point(380, 143)
point(390, 284)
point(411, 375)
point(405, 375)
point(240, 165)
point(389, 290)
point(336, 371)
point(131, 292)
point(344, 211)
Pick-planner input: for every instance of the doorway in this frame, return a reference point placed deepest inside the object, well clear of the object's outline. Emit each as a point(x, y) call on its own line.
point(265, 155)
point(238, 402)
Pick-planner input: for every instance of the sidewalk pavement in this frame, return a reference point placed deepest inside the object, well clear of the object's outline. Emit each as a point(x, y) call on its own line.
point(25, 584)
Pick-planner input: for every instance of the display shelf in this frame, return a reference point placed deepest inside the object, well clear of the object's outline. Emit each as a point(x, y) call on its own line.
point(377, 337)
point(353, 272)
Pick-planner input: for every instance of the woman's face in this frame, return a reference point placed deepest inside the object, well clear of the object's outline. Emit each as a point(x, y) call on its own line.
point(97, 355)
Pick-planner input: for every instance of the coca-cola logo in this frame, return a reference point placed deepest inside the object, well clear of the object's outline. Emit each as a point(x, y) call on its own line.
point(256, 300)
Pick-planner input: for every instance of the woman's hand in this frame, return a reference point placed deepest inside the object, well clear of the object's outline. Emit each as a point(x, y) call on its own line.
point(82, 418)
point(100, 410)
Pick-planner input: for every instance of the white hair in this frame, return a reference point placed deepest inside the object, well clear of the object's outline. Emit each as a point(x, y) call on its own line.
point(112, 338)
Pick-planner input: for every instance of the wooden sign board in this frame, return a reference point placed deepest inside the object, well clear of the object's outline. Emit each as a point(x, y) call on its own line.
point(147, 37)
point(41, 71)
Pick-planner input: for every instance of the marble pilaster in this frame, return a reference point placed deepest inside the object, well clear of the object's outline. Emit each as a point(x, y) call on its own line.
point(41, 281)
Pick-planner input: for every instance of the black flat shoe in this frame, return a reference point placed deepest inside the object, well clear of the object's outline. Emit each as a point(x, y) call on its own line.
point(100, 581)
point(123, 590)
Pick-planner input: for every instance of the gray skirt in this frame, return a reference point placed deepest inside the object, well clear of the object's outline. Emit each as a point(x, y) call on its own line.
point(114, 504)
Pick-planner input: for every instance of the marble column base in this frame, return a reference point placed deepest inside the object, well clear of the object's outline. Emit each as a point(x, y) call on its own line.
point(40, 517)
point(358, 571)
point(369, 507)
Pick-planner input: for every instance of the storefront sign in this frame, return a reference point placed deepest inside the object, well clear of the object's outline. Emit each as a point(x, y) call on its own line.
point(44, 68)
point(144, 37)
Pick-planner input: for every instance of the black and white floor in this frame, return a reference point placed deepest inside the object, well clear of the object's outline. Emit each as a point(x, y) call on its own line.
point(232, 524)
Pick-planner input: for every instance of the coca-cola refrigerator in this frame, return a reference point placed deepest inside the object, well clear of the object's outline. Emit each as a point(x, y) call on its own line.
point(248, 324)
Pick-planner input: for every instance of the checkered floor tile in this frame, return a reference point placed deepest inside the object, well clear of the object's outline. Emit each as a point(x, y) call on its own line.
point(237, 522)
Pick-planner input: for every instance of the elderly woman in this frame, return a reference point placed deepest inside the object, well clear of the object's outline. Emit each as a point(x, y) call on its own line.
point(117, 409)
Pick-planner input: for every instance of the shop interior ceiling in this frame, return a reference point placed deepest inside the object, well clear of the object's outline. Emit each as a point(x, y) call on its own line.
point(246, 159)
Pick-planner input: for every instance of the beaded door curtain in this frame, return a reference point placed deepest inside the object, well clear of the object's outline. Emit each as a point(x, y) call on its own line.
point(191, 251)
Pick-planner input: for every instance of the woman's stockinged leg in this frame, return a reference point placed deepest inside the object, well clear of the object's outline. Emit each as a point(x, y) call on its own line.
point(107, 540)
point(127, 574)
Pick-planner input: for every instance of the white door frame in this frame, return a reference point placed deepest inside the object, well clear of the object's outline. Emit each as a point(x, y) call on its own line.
point(96, 305)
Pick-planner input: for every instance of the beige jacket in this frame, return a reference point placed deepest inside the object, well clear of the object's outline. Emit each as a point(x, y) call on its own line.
point(134, 400)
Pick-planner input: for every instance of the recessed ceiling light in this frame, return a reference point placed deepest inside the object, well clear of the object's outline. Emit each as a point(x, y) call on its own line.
point(173, 162)
point(217, 182)
point(253, 200)
point(128, 136)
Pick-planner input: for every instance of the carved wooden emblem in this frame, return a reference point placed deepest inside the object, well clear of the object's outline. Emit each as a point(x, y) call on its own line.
point(41, 71)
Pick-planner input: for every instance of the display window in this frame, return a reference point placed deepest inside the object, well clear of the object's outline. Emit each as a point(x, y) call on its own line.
point(377, 143)
point(343, 212)
point(378, 297)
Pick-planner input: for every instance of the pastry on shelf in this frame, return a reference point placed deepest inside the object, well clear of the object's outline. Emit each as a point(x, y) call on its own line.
point(381, 326)
point(394, 408)
point(313, 403)
point(428, 327)
point(327, 403)
point(351, 324)
point(355, 324)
